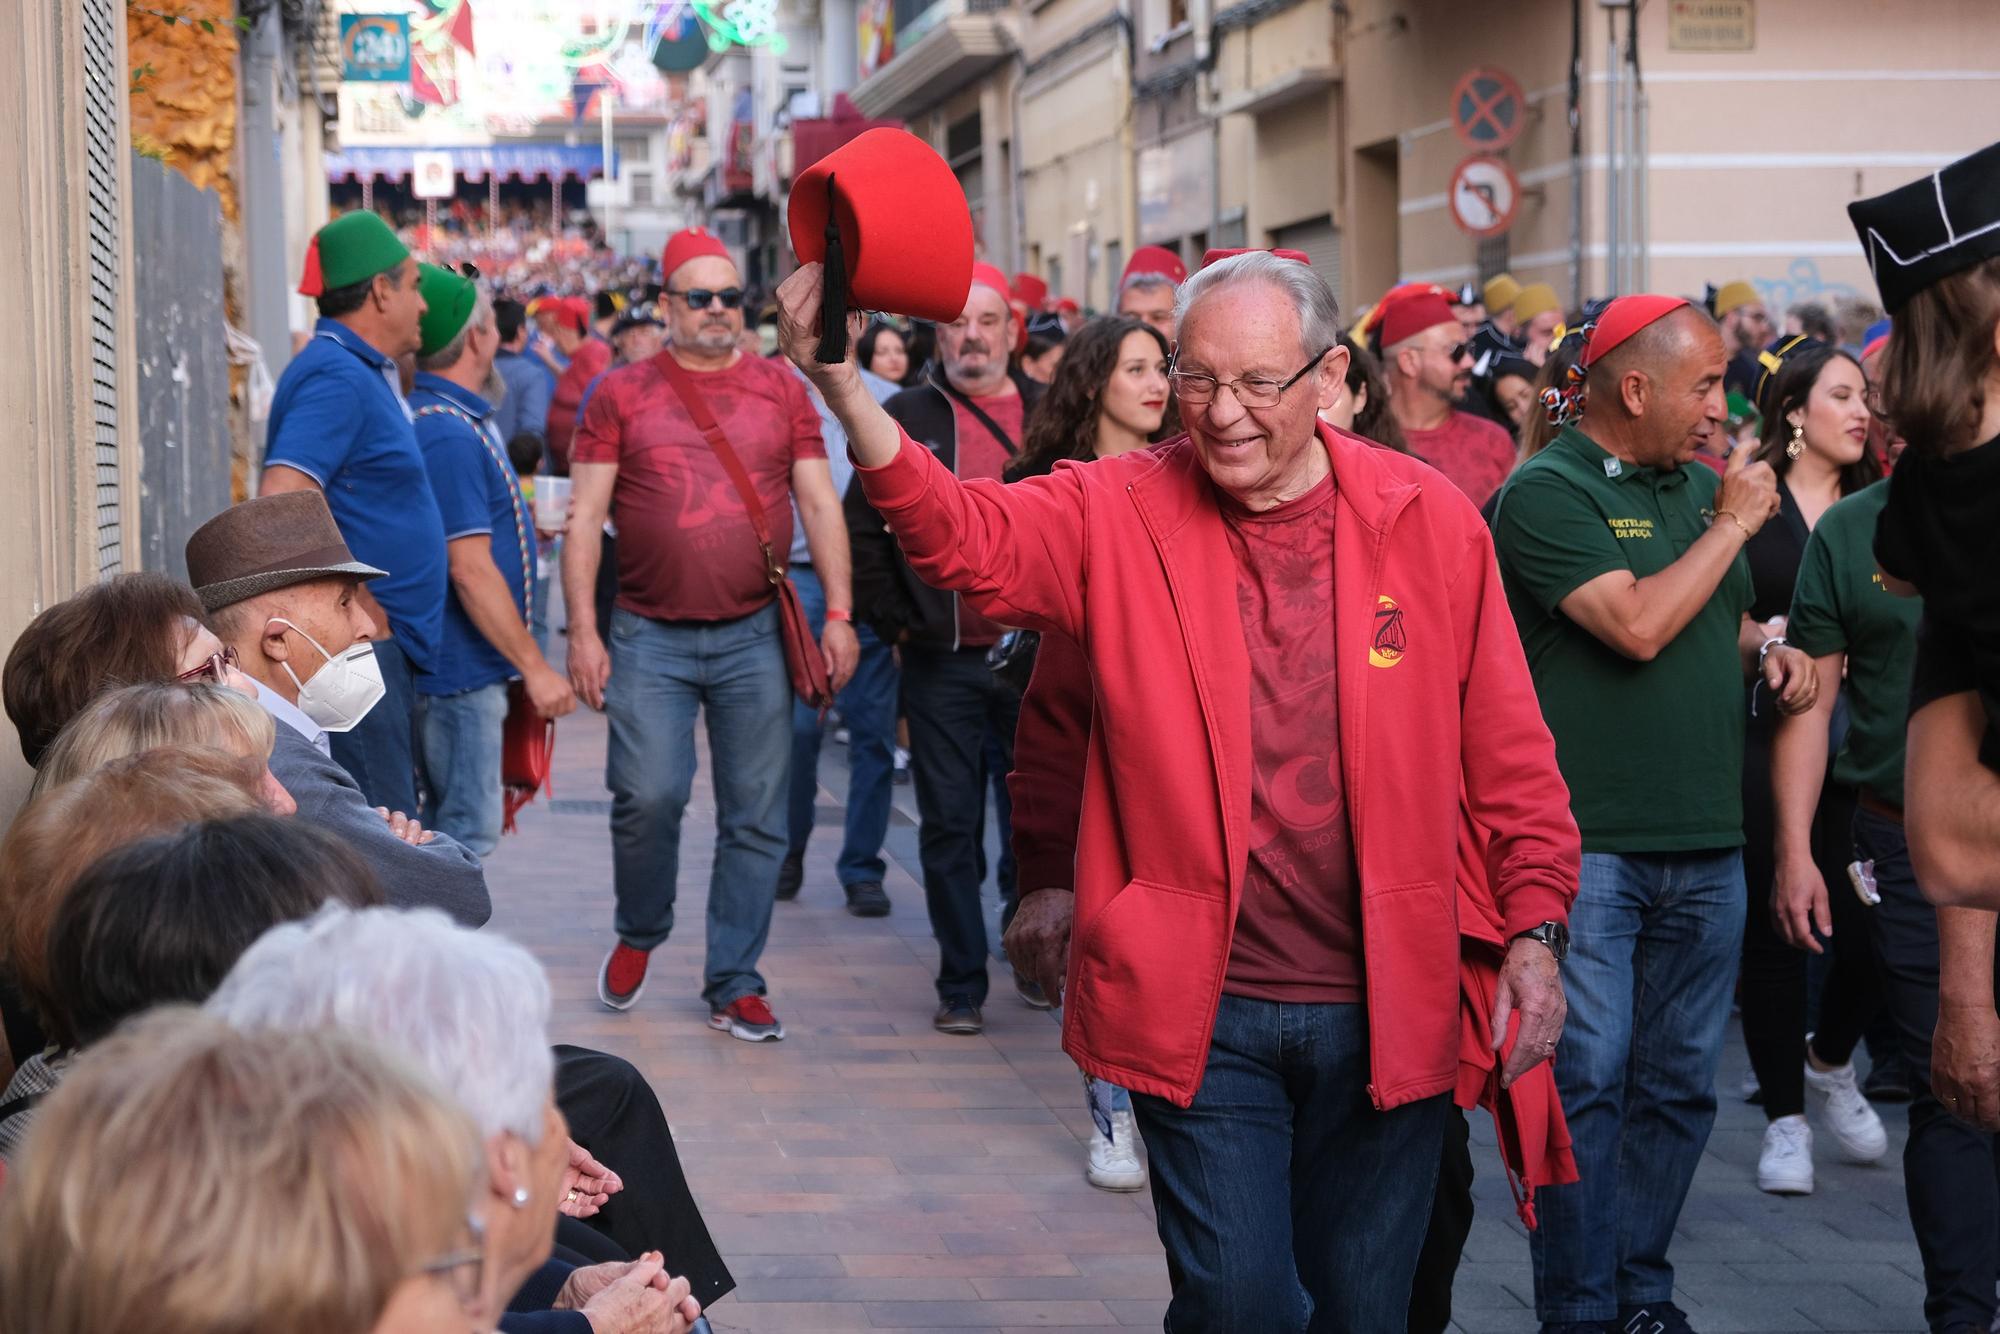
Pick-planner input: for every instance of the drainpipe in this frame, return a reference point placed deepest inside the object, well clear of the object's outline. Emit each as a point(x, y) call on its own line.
point(1575, 154)
point(266, 310)
point(1201, 16)
point(1128, 151)
point(1018, 206)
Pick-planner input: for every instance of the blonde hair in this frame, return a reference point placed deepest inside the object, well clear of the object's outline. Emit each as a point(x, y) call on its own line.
point(59, 833)
point(154, 714)
point(185, 1178)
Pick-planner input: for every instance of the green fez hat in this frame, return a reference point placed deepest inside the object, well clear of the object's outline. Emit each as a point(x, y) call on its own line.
point(353, 248)
point(448, 299)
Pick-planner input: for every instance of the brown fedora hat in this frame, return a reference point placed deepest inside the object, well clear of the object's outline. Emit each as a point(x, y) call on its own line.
point(266, 543)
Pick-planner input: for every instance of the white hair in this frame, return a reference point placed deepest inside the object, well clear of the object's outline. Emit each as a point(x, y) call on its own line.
point(1319, 313)
point(447, 356)
point(469, 1008)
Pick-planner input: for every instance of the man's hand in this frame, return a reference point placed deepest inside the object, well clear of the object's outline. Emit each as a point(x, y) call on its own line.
point(636, 1297)
point(1529, 982)
point(589, 667)
point(1799, 905)
point(798, 299)
point(1965, 1063)
point(1749, 490)
point(1790, 674)
point(403, 827)
point(1037, 941)
point(551, 695)
point(842, 649)
point(587, 1184)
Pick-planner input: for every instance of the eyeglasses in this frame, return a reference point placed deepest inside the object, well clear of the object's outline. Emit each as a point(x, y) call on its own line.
point(699, 298)
point(1252, 391)
point(464, 1268)
point(216, 669)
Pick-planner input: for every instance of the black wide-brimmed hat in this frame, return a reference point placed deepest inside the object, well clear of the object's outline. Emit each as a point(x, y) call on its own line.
point(1930, 229)
point(266, 543)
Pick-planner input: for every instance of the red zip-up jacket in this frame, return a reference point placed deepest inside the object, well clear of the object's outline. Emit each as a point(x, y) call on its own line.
point(1128, 557)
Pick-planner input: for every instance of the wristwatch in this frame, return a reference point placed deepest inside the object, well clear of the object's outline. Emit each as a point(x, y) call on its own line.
point(1553, 934)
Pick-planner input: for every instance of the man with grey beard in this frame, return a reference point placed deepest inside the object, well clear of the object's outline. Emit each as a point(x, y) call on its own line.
point(487, 642)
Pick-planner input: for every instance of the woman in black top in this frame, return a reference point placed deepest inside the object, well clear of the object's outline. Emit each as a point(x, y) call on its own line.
point(1813, 400)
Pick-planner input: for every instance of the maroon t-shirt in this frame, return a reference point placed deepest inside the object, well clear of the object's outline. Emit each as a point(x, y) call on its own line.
point(1298, 933)
point(592, 356)
point(686, 550)
point(1476, 454)
point(980, 455)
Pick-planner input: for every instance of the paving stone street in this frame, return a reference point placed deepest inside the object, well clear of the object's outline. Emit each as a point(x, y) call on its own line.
point(869, 1173)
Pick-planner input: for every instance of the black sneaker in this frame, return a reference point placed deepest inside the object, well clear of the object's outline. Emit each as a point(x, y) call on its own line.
point(1888, 1081)
point(1653, 1318)
point(960, 1017)
point(1030, 992)
point(791, 875)
point(866, 898)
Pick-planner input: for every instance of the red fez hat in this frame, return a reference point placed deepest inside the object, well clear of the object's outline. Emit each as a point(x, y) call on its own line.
point(1067, 304)
point(692, 243)
point(988, 275)
point(889, 219)
point(573, 311)
point(1217, 256)
point(1625, 317)
point(1409, 310)
point(1155, 259)
point(1031, 290)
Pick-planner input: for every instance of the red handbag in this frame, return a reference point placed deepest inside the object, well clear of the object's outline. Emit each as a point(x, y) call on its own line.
point(810, 679)
point(527, 753)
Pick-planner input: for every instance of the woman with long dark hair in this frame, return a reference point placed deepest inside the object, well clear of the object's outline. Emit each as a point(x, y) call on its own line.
point(1364, 408)
point(1109, 395)
point(1813, 399)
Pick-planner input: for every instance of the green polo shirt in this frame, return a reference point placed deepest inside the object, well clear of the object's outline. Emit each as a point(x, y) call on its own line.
point(1841, 606)
point(1652, 751)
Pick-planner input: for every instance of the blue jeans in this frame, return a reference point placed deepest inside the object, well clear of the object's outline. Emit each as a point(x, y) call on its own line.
point(1654, 942)
point(1286, 1202)
point(458, 740)
point(662, 675)
point(381, 753)
point(868, 706)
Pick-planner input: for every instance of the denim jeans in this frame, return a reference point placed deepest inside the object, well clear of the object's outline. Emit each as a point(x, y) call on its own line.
point(662, 675)
point(458, 740)
point(952, 699)
point(380, 754)
point(1286, 1202)
point(1654, 941)
point(868, 706)
point(1949, 1167)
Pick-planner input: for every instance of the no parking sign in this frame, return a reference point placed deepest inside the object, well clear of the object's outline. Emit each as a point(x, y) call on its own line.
point(1487, 108)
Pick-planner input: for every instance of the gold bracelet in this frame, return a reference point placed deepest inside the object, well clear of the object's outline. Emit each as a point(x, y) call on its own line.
point(1731, 515)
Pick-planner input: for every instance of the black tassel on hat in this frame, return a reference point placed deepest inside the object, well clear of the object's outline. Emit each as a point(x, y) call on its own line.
point(833, 297)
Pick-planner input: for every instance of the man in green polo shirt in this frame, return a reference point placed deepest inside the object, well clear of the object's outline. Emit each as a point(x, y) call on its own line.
point(1626, 576)
point(1843, 616)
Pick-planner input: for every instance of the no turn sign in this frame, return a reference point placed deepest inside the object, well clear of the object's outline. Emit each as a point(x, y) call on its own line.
point(1484, 194)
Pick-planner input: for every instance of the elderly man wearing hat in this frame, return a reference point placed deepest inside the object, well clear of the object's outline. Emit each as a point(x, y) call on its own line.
point(490, 550)
point(673, 442)
point(1625, 571)
point(1146, 288)
point(586, 356)
point(1746, 328)
point(339, 425)
point(1429, 367)
point(284, 594)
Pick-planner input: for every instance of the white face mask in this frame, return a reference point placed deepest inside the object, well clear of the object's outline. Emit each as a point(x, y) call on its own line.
point(340, 694)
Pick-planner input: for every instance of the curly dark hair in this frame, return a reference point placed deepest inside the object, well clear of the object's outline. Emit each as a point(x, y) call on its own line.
point(1064, 424)
point(1788, 392)
point(1374, 421)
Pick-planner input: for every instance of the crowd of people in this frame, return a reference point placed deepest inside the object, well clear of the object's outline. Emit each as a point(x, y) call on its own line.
point(1461, 707)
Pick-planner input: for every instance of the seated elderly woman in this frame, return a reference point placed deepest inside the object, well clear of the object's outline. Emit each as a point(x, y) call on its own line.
point(162, 920)
point(59, 834)
point(157, 715)
point(472, 1009)
point(190, 1178)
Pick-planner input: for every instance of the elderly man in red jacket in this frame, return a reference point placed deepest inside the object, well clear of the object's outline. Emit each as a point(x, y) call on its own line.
point(1304, 661)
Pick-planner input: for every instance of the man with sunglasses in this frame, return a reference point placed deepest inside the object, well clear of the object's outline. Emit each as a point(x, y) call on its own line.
point(1429, 365)
point(695, 625)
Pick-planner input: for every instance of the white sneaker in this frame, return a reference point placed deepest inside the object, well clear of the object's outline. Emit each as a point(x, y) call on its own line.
point(1854, 1124)
point(1785, 1167)
point(1114, 1162)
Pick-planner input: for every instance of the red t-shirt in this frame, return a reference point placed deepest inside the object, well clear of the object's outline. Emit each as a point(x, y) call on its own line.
point(1476, 454)
point(1298, 933)
point(980, 455)
point(686, 550)
point(589, 362)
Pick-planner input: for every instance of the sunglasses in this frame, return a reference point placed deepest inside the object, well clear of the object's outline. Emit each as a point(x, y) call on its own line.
point(215, 669)
point(1459, 352)
point(699, 298)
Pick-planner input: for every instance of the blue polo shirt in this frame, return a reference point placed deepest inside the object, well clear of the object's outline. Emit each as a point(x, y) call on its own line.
point(340, 419)
point(477, 492)
point(526, 406)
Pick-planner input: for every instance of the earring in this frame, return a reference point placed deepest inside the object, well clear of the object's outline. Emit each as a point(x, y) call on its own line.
point(520, 1197)
point(1798, 444)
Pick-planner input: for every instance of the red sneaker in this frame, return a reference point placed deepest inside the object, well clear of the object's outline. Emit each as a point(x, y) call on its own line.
point(622, 977)
point(749, 1018)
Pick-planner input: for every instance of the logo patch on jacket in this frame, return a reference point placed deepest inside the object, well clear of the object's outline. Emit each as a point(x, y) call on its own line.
point(1388, 646)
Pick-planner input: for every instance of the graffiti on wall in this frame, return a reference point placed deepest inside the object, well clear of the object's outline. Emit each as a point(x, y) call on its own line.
point(1802, 282)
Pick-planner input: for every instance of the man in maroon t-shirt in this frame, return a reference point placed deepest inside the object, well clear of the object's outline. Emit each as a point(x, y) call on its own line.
point(971, 417)
point(696, 624)
point(1429, 364)
point(588, 356)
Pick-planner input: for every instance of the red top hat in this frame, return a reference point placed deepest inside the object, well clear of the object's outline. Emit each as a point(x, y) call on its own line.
point(1031, 290)
point(1625, 317)
point(1217, 256)
point(1155, 259)
point(889, 209)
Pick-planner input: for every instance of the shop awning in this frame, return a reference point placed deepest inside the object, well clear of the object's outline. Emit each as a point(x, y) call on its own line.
point(512, 161)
